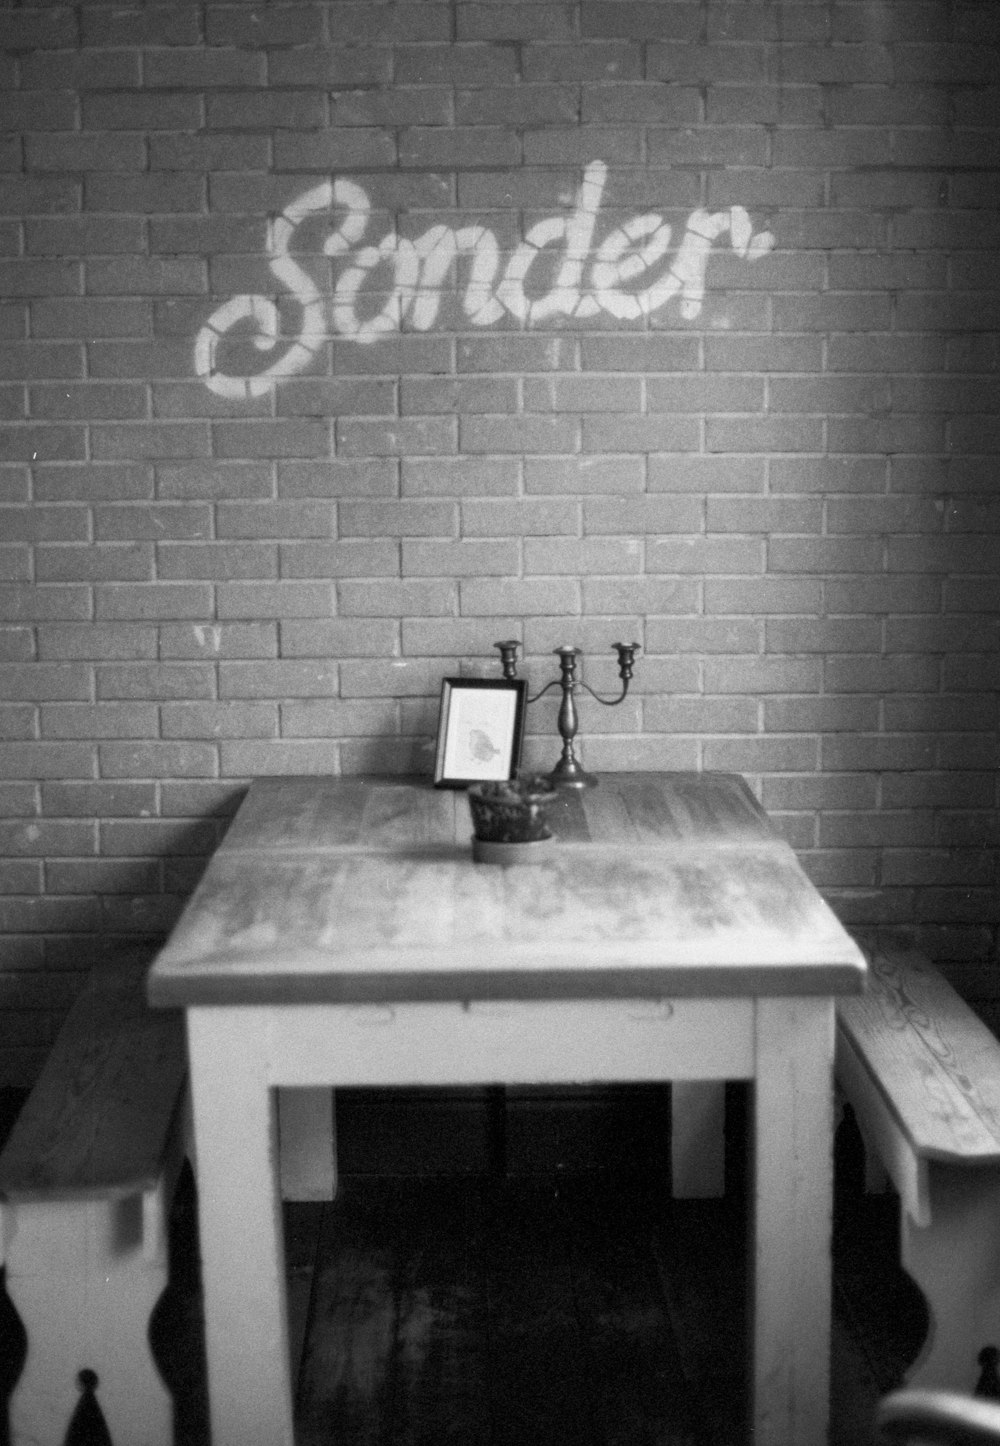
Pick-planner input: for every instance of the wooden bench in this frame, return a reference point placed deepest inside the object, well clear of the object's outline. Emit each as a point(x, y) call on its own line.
point(922, 1073)
point(86, 1180)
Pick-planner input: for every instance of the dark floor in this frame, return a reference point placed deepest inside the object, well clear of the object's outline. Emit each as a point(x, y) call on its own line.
point(581, 1308)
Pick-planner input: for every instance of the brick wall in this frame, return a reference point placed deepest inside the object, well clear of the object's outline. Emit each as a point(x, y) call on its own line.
point(340, 340)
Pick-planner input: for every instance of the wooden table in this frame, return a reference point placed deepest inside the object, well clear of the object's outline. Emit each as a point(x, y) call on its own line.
point(343, 936)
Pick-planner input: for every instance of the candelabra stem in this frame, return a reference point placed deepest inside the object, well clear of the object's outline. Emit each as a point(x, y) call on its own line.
point(568, 772)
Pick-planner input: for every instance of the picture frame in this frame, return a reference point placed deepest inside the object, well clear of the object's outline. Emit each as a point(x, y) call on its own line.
point(480, 730)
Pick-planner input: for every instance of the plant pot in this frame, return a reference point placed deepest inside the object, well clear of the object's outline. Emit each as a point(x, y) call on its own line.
point(488, 851)
point(511, 812)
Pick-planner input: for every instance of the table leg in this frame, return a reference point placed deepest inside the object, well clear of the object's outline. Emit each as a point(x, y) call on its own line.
point(791, 1215)
point(240, 1226)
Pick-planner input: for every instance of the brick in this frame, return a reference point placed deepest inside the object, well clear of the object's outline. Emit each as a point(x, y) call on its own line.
point(465, 638)
point(47, 760)
point(650, 354)
point(15, 564)
point(457, 394)
point(828, 474)
point(210, 480)
point(517, 597)
point(757, 675)
point(643, 595)
point(21, 838)
point(451, 147)
point(274, 519)
point(682, 472)
point(536, 434)
point(824, 554)
point(216, 562)
point(158, 760)
point(527, 103)
point(468, 63)
point(104, 563)
point(104, 876)
point(760, 755)
point(583, 556)
point(763, 514)
point(220, 720)
point(614, 60)
point(281, 679)
point(763, 354)
point(104, 800)
point(43, 524)
point(199, 799)
point(142, 111)
point(283, 599)
point(21, 877)
point(87, 151)
point(883, 752)
point(92, 483)
point(700, 635)
point(582, 394)
point(853, 713)
point(889, 353)
point(845, 674)
point(522, 517)
point(91, 642)
point(312, 396)
point(398, 519)
point(32, 603)
point(923, 713)
point(377, 557)
point(289, 756)
point(823, 635)
point(157, 680)
point(151, 441)
point(330, 718)
point(828, 791)
point(517, 354)
point(460, 558)
point(181, 68)
point(583, 475)
point(158, 523)
point(153, 601)
point(460, 476)
point(100, 720)
point(337, 638)
point(210, 153)
point(87, 400)
point(656, 433)
point(878, 595)
point(887, 434)
point(17, 721)
point(706, 555)
point(638, 515)
point(352, 147)
point(84, 236)
point(393, 677)
point(639, 753)
point(274, 438)
point(397, 598)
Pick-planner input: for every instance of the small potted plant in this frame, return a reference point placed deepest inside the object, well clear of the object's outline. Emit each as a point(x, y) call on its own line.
point(509, 818)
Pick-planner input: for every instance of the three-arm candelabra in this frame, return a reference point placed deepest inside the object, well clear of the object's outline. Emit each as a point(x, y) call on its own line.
point(568, 772)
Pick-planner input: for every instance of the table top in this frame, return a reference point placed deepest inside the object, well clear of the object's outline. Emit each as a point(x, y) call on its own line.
point(363, 890)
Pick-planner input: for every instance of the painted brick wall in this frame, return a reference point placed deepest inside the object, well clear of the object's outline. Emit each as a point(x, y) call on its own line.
point(275, 460)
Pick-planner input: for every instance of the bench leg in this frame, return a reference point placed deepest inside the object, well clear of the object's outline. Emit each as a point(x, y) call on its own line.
point(955, 1262)
point(84, 1277)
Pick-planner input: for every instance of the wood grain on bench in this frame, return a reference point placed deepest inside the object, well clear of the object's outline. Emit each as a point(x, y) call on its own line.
point(99, 1118)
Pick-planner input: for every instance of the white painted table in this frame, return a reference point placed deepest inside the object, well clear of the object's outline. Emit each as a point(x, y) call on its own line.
point(343, 936)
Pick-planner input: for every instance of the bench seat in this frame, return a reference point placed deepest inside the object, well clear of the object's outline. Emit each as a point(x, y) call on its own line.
point(86, 1181)
point(922, 1074)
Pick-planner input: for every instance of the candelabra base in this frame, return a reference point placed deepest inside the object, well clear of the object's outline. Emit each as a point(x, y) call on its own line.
point(571, 775)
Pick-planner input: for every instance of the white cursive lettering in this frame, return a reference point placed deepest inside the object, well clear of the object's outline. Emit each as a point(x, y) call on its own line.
point(627, 256)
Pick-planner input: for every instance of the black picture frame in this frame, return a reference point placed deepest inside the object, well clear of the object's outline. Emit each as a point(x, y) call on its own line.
point(480, 730)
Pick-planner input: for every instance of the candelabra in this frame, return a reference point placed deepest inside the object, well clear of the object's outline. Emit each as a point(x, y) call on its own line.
point(568, 772)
